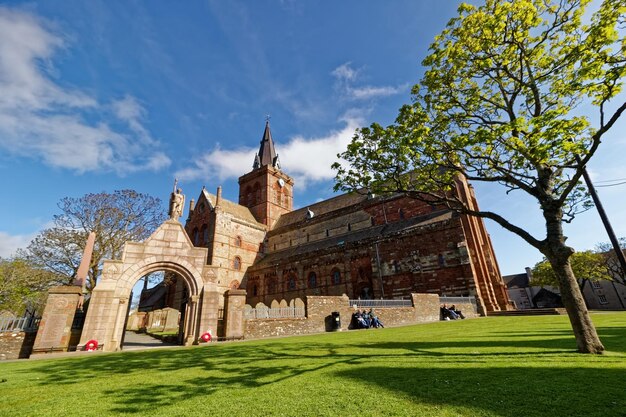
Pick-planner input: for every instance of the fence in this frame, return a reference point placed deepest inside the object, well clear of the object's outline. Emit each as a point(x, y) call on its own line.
point(457, 300)
point(10, 324)
point(274, 313)
point(381, 303)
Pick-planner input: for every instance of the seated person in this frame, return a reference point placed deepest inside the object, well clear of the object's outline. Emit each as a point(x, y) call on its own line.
point(375, 321)
point(457, 312)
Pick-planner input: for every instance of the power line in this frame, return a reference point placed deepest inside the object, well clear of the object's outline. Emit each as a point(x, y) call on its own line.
point(610, 185)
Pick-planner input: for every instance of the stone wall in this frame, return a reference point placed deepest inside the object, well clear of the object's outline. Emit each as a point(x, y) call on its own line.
point(16, 344)
point(319, 308)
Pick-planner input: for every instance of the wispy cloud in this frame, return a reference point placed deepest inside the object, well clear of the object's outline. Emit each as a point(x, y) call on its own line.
point(346, 77)
point(61, 126)
point(307, 159)
point(9, 244)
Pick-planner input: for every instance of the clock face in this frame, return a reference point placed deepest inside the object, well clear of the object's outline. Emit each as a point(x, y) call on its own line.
point(281, 182)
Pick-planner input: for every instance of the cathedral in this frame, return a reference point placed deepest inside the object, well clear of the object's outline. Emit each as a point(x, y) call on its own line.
point(364, 246)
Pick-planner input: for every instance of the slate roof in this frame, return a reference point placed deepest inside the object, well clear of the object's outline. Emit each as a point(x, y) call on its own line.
point(516, 280)
point(236, 210)
point(267, 153)
point(323, 207)
point(369, 233)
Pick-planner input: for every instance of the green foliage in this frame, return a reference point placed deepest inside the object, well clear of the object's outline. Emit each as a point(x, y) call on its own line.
point(587, 265)
point(23, 286)
point(499, 104)
point(487, 367)
point(116, 218)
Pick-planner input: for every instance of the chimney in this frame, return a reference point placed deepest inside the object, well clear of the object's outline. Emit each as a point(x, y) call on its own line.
point(218, 197)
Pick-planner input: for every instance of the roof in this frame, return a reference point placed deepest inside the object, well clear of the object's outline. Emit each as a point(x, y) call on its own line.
point(236, 210)
point(380, 231)
point(516, 280)
point(267, 153)
point(323, 207)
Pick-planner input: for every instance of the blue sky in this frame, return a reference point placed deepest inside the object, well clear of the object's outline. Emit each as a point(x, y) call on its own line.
point(104, 95)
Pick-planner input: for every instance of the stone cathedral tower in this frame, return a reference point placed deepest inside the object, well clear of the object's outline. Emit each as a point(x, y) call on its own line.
point(266, 190)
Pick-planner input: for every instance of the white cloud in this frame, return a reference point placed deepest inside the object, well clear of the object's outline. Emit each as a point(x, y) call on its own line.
point(10, 243)
point(305, 159)
point(345, 73)
point(42, 120)
point(346, 77)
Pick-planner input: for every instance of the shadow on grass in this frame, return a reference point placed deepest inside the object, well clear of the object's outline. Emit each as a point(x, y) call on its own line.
point(461, 373)
point(544, 391)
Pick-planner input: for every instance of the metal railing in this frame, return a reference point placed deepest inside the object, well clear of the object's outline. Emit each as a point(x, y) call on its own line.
point(380, 303)
point(9, 324)
point(457, 300)
point(274, 313)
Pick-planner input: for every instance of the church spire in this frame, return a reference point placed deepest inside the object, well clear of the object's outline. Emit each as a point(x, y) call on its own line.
point(267, 154)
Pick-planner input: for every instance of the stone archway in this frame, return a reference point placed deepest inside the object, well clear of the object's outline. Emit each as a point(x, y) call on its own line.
point(170, 249)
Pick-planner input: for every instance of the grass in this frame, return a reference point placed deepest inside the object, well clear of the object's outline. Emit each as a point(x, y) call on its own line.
point(500, 366)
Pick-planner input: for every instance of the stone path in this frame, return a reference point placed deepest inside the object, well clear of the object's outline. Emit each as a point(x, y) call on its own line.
point(136, 341)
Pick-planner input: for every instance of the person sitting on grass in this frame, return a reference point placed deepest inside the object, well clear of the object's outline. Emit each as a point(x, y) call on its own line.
point(375, 321)
point(448, 314)
point(457, 312)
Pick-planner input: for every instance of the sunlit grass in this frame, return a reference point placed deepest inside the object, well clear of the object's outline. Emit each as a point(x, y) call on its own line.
point(517, 366)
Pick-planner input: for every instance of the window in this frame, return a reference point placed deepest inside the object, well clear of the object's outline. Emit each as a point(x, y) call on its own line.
point(291, 283)
point(255, 290)
point(238, 241)
point(396, 266)
point(271, 286)
point(401, 212)
point(312, 280)
point(237, 263)
point(596, 284)
point(336, 277)
point(441, 260)
point(205, 234)
point(602, 299)
point(349, 227)
point(196, 236)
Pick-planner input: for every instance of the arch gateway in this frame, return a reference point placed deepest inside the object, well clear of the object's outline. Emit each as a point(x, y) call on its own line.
point(167, 249)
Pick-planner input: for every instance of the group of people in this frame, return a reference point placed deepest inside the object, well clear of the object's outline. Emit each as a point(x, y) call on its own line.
point(365, 320)
point(450, 313)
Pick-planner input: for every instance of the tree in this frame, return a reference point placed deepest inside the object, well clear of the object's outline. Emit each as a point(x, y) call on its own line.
point(499, 103)
point(23, 285)
point(586, 265)
point(122, 216)
point(611, 262)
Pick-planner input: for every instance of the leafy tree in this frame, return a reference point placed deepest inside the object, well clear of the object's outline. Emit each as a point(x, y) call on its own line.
point(498, 104)
point(587, 266)
point(611, 263)
point(121, 216)
point(23, 285)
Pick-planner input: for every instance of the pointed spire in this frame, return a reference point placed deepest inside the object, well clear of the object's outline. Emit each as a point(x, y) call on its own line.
point(267, 153)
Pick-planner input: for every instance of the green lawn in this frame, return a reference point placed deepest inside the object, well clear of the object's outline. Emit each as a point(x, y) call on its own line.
point(500, 366)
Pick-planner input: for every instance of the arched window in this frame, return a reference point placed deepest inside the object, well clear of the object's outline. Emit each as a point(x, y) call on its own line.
point(196, 236)
point(271, 286)
point(291, 282)
point(336, 277)
point(312, 280)
point(248, 197)
point(238, 241)
point(205, 234)
point(255, 290)
point(257, 193)
point(237, 263)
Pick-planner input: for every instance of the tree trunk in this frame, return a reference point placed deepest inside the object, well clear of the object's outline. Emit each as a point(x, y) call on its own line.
point(587, 338)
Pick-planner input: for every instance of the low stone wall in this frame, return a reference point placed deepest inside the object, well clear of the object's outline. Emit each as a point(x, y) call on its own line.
point(319, 308)
point(468, 310)
point(16, 344)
